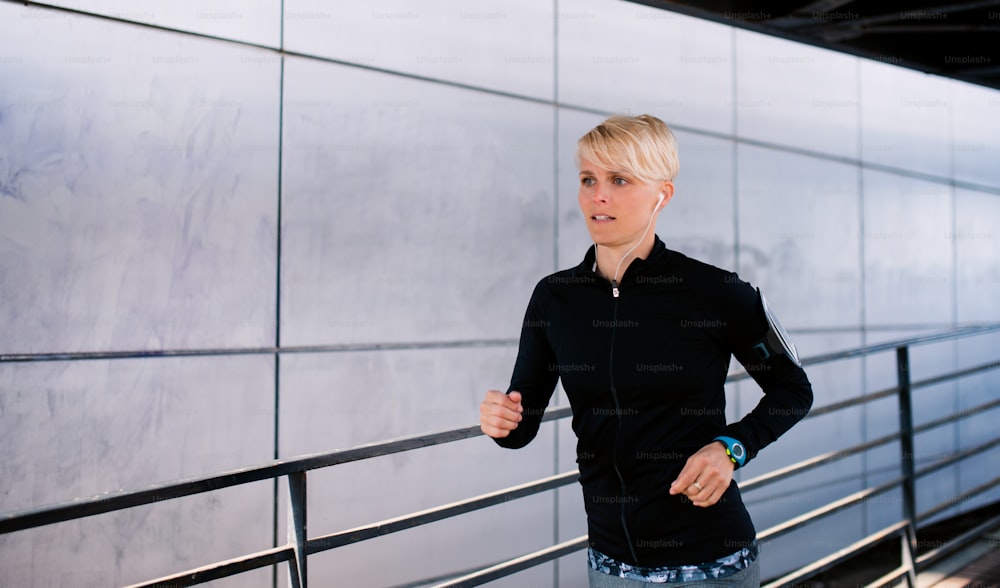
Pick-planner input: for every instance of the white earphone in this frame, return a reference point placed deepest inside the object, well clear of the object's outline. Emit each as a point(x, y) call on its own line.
point(614, 278)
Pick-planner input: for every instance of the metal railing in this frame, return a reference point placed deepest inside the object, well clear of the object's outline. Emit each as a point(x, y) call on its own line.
point(300, 546)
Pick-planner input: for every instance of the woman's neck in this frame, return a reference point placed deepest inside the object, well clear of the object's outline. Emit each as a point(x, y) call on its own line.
point(612, 261)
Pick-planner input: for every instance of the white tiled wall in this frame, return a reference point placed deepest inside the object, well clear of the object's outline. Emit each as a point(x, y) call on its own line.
point(623, 57)
point(83, 428)
point(796, 95)
point(798, 233)
point(501, 45)
point(251, 21)
point(140, 189)
point(906, 119)
point(401, 178)
point(908, 251)
point(401, 200)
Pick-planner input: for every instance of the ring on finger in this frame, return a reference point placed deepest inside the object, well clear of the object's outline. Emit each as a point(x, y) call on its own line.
point(698, 486)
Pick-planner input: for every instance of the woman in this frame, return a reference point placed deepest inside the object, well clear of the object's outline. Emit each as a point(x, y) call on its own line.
point(641, 337)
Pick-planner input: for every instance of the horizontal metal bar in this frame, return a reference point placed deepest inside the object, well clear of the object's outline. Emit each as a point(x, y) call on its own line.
point(115, 501)
point(983, 367)
point(826, 510)
point(866, 350)
point(131, 354)
point(962, 414)
point(79, 508)
point(211, 352)
point(517, 564)
point(956, 457)
point(407, 345)
point(804, 465)
point(813, 462)
point(222, 569)
point(953, 501)
point(932, 556)
point(112, 501)
point(889, 577)
point(94, 505)
point(431, 515)
point(835, 406)
point(885, 393)
point(839, 556)
point(31, 518)
point(554, 414)
point(956, 333)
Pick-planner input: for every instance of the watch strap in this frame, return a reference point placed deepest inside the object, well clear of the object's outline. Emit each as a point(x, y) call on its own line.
point(735, 451)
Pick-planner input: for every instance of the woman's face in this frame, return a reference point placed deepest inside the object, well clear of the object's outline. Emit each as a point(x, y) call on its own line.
point(615, 206)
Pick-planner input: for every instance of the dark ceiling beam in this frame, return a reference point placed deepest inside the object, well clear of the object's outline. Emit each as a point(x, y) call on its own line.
point(989, 70)
point(806, 15)
point(942, 9)
point(872, 36)
point(855, 28)
point(960, 7)
point(822, 6)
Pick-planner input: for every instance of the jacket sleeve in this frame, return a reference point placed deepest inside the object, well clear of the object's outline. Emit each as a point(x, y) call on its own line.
point(535, 372)
point(754, 340)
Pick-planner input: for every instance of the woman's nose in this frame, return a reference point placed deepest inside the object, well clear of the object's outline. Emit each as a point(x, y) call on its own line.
point(600, 193)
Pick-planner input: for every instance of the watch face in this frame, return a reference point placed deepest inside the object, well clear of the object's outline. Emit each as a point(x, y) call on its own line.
point(738, 451)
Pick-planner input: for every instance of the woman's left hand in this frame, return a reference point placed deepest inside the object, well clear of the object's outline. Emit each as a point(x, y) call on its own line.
point(706, 475)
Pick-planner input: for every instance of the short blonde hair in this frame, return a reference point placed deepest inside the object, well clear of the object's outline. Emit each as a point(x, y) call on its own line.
point(641, 146)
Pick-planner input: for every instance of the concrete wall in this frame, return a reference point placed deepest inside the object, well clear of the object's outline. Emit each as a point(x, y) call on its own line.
point(387, 192)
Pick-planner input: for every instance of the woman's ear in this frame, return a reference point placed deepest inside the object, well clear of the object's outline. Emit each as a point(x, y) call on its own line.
point(666, 193)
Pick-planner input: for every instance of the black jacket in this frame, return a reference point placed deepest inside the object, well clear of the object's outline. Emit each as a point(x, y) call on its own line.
point(645, 374)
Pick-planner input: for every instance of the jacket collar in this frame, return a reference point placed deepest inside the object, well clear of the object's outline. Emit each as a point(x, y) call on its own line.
point(658, 255)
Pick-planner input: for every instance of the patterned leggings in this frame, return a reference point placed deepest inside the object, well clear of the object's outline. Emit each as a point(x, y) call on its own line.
point(746, 578)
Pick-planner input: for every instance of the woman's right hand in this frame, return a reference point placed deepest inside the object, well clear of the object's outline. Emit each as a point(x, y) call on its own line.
point(500, 413)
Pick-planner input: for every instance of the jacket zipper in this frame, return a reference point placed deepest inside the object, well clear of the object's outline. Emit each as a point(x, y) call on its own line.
point(618, 414)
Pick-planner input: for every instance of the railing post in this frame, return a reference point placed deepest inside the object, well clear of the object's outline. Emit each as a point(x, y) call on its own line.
point(906, 440)
point(908, 555)
point(297, 575)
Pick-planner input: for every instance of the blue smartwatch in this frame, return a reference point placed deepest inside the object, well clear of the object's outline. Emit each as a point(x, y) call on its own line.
point(735, 450)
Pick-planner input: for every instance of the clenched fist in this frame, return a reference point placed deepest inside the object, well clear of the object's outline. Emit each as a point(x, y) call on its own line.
point(500, 413)
point(706, 475)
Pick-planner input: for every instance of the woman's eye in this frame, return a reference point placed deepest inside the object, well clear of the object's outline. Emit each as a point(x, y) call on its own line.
point(620, 181)
point(587, 181)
